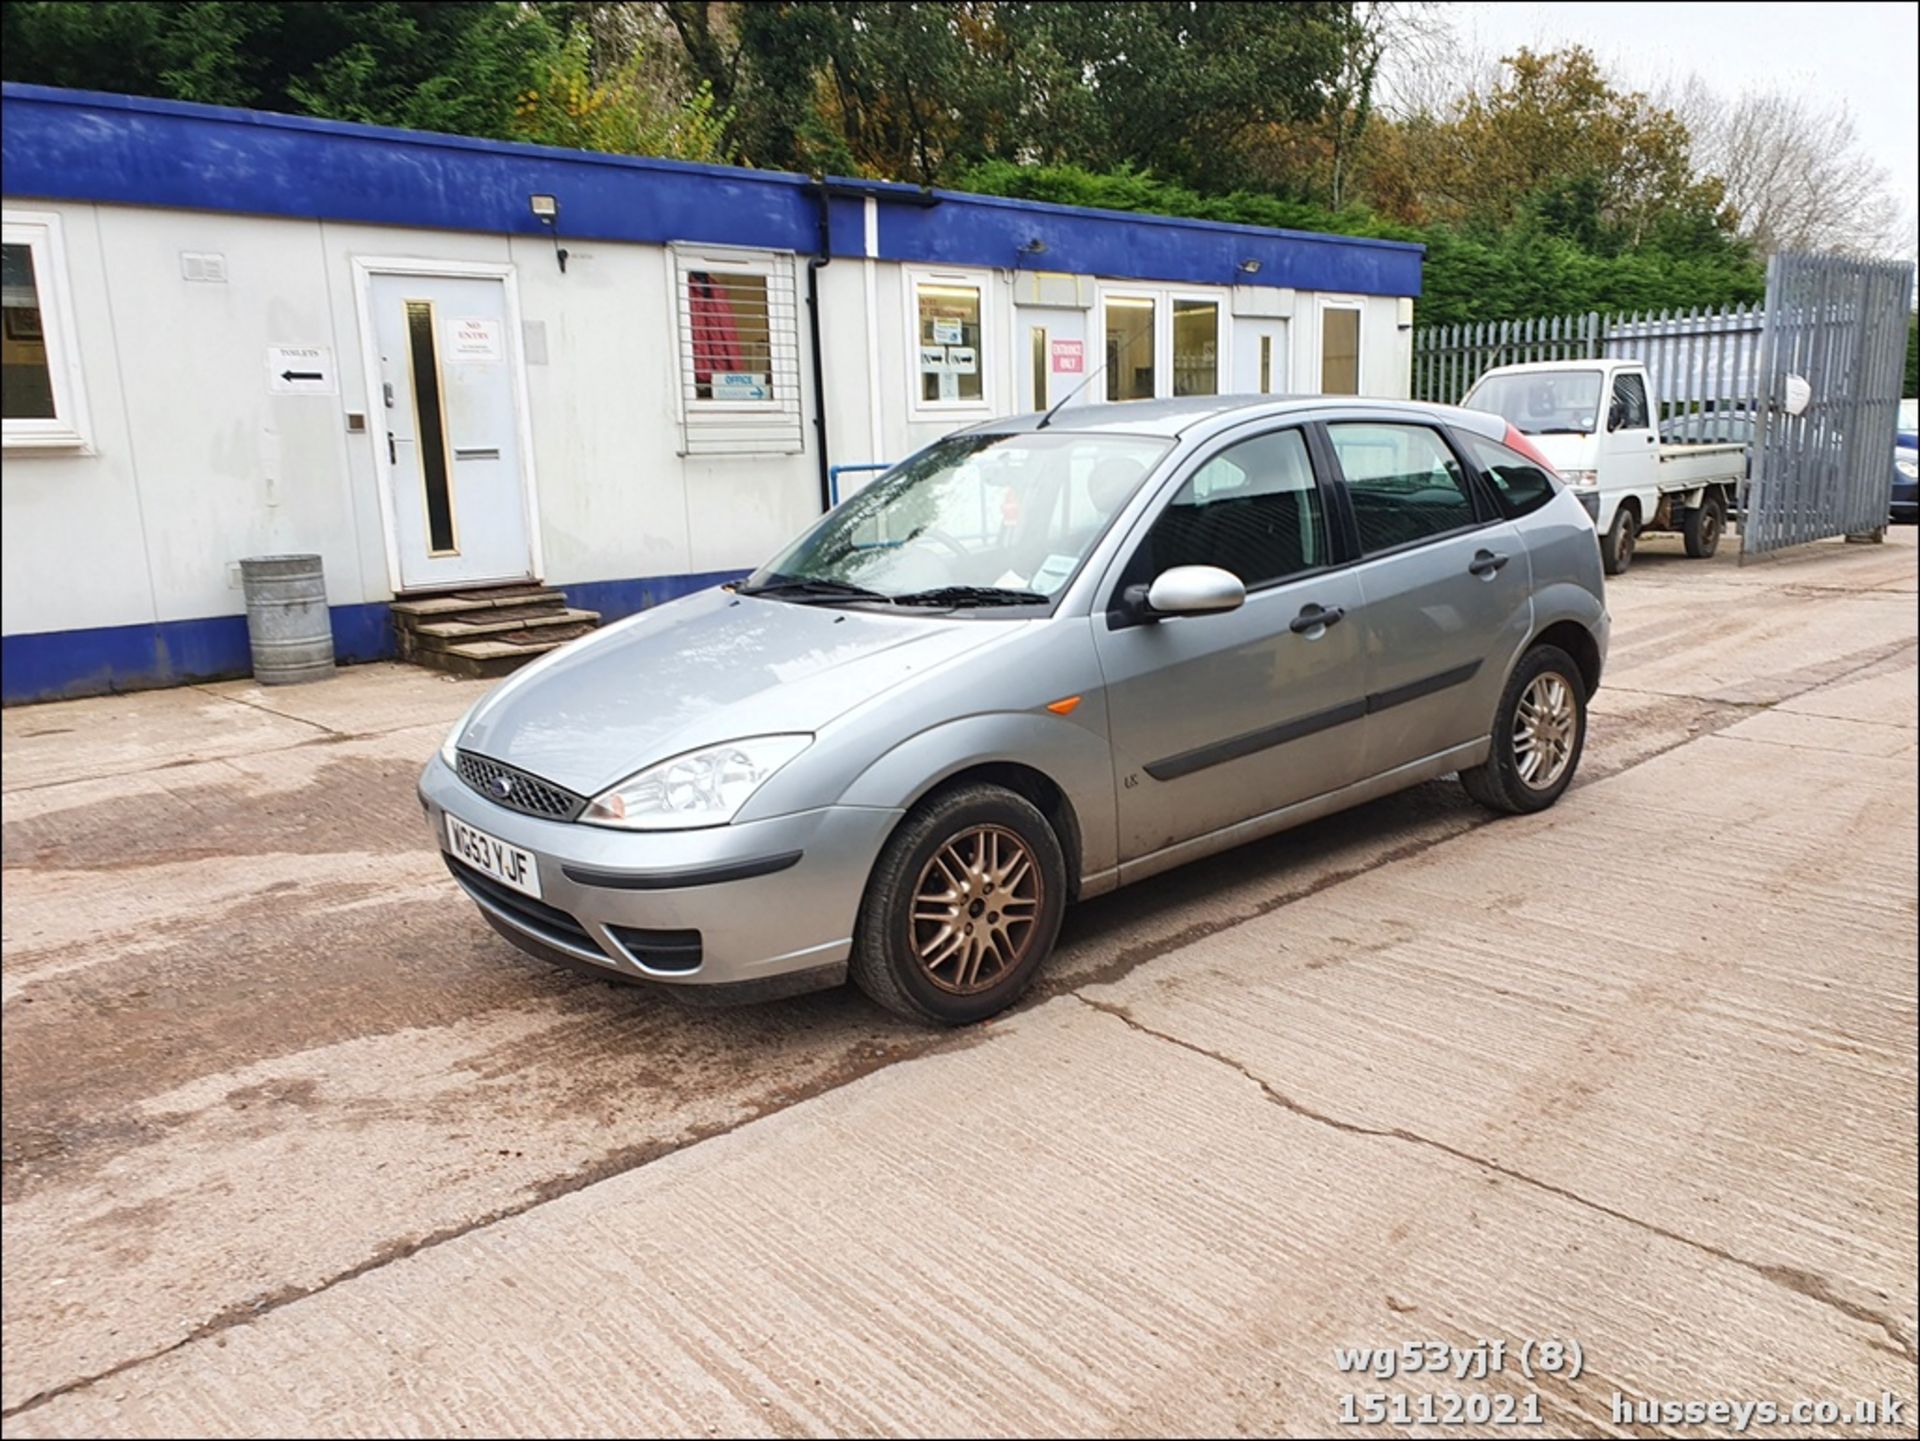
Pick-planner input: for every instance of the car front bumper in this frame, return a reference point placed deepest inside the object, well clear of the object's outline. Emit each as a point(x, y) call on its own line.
point(736, 906)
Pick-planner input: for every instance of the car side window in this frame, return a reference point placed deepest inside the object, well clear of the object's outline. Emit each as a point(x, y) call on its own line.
point(1405, 484)
point(1519, 485)
point(1629, 403)
point(1251, 509)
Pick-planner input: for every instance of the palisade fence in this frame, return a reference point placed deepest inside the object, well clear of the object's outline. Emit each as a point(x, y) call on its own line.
point(1836, 328)
point(1839, 327)
point(1699, 359)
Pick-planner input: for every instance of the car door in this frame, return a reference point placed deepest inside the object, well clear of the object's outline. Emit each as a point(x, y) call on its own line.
point(1630, 456)
point(1215, 719)
point(1445, 589)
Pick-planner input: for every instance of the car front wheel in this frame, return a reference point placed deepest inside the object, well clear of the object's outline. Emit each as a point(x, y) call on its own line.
point(1538, 734)
point(962, 908)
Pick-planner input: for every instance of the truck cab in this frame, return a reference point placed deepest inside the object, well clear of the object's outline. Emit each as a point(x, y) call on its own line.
point(1595, 422)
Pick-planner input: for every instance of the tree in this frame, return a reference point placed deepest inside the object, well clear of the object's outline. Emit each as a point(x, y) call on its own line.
point(625, 113)
point(1795, 172)
point(430, 64)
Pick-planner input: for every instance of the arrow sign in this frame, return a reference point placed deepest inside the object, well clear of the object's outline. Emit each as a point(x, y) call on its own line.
point(301, 370)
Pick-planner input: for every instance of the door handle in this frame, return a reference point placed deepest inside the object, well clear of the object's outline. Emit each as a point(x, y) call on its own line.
point(392, 457)
point(1316, 617)
point(1486, 562)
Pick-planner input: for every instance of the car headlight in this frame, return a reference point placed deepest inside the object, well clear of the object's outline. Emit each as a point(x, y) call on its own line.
point(706, 787)
point(450, 747)
point(1907, 468)
point(1580, 477)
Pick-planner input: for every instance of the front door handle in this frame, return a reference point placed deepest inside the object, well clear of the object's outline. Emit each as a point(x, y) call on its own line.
point(1486, 562)
point(1314, 616)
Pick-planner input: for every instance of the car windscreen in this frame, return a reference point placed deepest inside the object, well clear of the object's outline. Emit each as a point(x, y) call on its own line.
point(1013, 514)
point(1554, 402)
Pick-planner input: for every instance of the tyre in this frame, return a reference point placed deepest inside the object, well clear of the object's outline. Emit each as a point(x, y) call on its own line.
point(1538, 734)
point(962, 908)
point(1616, 546)
point(1703, 526)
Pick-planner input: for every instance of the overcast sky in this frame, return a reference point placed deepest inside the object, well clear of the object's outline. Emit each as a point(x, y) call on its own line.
point(1863, 54)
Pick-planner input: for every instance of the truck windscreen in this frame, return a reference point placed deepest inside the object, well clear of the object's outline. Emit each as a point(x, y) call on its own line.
point(1558, 402)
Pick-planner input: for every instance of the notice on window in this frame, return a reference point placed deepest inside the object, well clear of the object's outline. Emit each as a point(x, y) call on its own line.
point(947, 332)
point(476, 340)
point(1069, 357)
point(933, 360)
point(742, 385)
point(963, 360)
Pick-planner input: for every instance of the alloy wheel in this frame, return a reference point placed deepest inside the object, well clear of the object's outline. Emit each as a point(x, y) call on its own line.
point(1544, 726)
point(975, 908)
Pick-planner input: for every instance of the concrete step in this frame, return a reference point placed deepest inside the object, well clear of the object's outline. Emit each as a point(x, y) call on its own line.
point(440, 634)
point(439, 607)
point(497, 655)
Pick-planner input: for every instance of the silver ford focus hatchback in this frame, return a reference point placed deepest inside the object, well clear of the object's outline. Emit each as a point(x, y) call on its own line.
point(1040, 659)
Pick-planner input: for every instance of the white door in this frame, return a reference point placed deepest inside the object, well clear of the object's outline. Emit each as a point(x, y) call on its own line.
point(450, 429)
point(1259, 357)
point(1050, 356)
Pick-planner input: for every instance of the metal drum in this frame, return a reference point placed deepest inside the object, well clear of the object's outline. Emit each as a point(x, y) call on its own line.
point(287, 619)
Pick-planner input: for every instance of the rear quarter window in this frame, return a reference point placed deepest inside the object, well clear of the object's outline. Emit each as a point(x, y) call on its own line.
point(1518, 485)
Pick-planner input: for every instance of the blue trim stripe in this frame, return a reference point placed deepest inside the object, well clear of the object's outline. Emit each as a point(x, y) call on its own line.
point(117, 149)
point(61, 664)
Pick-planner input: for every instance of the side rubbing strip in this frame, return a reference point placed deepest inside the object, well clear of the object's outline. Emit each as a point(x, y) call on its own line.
point(1414, 690)
point(1220, 752)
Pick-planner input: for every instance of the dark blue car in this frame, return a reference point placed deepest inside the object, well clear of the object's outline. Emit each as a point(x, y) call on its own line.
point(1906, 466)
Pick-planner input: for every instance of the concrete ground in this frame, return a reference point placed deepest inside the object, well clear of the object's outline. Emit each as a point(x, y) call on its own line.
point(294, 1145)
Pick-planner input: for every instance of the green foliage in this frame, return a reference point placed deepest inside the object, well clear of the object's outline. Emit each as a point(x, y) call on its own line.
point(622, 114)
point(1912, 384)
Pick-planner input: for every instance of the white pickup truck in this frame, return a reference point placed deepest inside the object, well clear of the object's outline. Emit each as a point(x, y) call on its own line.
point(1592, 419)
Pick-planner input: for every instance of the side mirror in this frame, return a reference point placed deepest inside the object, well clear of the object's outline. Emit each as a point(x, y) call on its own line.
point(1190, 590)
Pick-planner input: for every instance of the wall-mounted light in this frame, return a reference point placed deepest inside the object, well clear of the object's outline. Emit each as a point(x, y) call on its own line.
point(546, 210)
point(1249, 266)
point(1035, 246)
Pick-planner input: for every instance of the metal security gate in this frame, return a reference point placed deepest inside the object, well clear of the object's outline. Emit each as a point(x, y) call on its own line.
point(1832, 359)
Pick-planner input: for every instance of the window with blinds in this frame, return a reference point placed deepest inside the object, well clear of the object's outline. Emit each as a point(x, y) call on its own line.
point(739, 351)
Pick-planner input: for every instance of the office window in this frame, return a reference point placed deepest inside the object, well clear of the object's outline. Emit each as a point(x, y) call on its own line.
point(1196, 347)
point(40, 396)
point(952, 344)
point(1130, 346)
point(739, 351)
point(1339, 350)
point(1405, 485)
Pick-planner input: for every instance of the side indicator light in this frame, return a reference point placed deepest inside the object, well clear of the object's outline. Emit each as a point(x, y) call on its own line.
point(1064, 707)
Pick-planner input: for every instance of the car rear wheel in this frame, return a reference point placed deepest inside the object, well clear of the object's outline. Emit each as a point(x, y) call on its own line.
point(1616, 546)
point(962, 908)
point(1703, 527)
point(1538, 734)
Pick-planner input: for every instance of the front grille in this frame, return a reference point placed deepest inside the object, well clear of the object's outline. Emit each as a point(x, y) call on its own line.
point(660, 950)
point(549, 922)
point(525, 793)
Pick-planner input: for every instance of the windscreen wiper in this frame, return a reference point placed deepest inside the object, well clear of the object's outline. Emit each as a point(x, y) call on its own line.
point(803, 588)
point(970, 595)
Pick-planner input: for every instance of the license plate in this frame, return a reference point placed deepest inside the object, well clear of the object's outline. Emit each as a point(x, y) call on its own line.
point(507, 864)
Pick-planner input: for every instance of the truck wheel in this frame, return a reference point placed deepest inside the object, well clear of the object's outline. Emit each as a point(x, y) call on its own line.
point(962, 908)
point(1703, 526)
point(1538, 734)
point(1616, 546)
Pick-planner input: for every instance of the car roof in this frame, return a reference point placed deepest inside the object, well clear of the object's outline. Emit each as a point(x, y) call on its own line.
point(1181, 415)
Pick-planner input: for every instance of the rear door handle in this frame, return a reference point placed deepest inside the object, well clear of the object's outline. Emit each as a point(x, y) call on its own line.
point(1486, 562)
point(1314, 616)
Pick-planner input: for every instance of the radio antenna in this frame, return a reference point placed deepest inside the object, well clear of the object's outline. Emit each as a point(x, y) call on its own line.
point(1055, 409)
